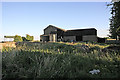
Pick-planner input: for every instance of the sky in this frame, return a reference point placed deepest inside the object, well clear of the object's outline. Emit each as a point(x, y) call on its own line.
point(58, 0)
point(31, 18)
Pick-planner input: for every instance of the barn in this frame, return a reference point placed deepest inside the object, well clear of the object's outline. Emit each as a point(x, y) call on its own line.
point(55, 34)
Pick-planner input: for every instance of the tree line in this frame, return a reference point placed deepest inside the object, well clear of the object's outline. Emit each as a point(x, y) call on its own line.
point(18, 38)
point(115, 20)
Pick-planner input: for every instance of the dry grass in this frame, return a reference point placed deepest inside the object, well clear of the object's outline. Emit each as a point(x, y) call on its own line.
point(7, 44)
point(59, 60)
point(111, 39)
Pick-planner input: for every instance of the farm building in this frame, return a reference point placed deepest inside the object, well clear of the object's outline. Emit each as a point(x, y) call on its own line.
point(54, 34)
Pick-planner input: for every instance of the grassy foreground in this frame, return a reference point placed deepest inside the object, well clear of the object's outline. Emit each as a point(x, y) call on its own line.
point(59, 60)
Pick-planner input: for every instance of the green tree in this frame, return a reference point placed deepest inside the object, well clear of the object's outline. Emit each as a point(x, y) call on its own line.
point(118, 32)
point(29, 38)
point(24, 39)
point(18, 38)
point(115, 20)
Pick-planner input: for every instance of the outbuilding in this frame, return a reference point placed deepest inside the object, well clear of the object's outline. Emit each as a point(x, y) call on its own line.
point(54, 34)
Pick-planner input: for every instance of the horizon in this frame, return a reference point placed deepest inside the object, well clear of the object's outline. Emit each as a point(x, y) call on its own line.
point(21, 18)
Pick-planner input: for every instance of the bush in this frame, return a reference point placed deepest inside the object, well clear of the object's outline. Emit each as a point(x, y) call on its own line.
point(24, 39)
point(18, 38)
point(29, 38)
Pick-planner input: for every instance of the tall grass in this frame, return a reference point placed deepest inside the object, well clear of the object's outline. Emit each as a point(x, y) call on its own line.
point(59, 60)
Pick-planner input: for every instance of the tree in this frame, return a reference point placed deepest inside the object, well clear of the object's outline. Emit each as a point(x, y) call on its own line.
point(29, 38)
point(24, 39)
point(17, 38)
point(118, 32)
point(115, 20)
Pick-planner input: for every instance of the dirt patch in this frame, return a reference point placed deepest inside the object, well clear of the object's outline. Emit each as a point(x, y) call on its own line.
point(7, 44)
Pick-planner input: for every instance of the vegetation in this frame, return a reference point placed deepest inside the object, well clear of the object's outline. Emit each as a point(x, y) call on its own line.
point(115, 20)
point(20, 39)
point(29, 38)
point(8, 36)
point(24, 39)
point(118, 32)
point(17, 38)
point(59, 60)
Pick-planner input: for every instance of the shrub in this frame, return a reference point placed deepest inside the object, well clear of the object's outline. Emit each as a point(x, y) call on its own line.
point(18, 38)
point(24, 39)
point(29, 38)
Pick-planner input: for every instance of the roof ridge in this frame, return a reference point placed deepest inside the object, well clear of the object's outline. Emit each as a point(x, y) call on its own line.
point(58, 28)
point(80, 29)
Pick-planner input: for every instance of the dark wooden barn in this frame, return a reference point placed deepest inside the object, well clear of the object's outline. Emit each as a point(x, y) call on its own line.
point(52, 33)
point(79, 33)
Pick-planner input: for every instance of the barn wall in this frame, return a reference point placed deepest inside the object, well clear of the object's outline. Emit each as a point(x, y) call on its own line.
point(69, 38)
point(59, 33)
point(53, 37)
point(49, 30)
point(90, 32)
point(44, 38)
point(90, 38)
point(80, 32)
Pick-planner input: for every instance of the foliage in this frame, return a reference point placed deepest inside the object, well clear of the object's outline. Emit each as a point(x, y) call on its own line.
point(8, 36)
point(118, 32)
point(17, 38)
point(59, 60)
point(115, 19)
point(29, 38)
point(24, 39)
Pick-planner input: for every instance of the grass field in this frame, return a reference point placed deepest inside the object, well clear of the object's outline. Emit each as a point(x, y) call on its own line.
point(59, 60)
